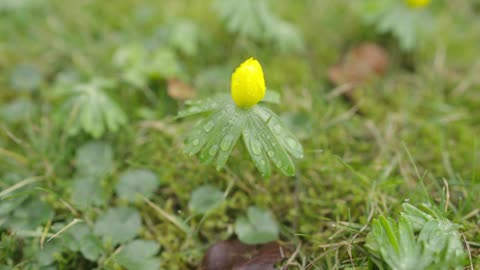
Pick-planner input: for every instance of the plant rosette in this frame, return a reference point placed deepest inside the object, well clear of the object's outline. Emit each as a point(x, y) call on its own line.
point(243, 115)
point(406, 20)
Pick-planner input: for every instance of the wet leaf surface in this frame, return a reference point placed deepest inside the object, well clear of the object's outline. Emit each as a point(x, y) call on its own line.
point(235, 255)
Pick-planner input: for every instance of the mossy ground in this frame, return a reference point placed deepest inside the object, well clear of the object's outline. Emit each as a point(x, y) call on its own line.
point(416, 135)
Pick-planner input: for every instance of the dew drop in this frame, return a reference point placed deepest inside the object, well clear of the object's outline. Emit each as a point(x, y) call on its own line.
point(208, 126)
point(270, 153)
point(196, 142)
point(291, 142)
point(255, 148)
point(213, 150)
point(226, 142)
point(277, 128)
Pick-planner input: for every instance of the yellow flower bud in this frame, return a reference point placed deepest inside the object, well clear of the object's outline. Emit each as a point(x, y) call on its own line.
point(417, 3)
point(248, 84)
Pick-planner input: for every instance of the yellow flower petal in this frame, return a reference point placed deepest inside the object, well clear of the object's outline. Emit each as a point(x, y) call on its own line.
point(418, 3)
point(248, 84)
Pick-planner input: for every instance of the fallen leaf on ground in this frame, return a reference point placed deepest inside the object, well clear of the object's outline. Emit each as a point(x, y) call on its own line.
point(360, 64)
point(179, 90)
point(235, 255)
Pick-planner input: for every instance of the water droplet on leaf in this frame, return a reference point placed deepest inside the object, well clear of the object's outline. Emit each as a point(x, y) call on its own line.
point(291, 142)
point(208, 126)
point(226, 142)
point(255, 148)
point(213, 150)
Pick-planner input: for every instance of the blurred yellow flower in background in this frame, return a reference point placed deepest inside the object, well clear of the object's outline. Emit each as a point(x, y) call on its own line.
point(418, 3)
point(248, 84)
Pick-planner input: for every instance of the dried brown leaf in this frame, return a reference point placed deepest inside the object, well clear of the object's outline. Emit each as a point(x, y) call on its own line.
point(179, 90)
point(361, 64)
point(234, 255)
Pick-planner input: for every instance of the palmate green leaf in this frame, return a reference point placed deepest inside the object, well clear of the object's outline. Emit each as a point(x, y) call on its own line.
point(395, 244)
point(284, 136)
point(224, 135)
point(243, 17)
point(441, 241)
point(184, 36)
point(395, 17)
point(264, 135)
point(271, 97)
point(263, 145)
point(254, 19)
point(415, 216)
point(403, 23)
point(437, 246)
point(91, 110)
point(204, 105)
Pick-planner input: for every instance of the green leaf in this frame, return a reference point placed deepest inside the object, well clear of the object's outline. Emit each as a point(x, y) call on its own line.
point(94, 158)
point(30, 215)
point(415, 216)
point(136, 182)
point(18, 110)
point(183, 35)
point(253, 19)
point(118, 225)
point(205, 198)
point(86, 192)
point(202, 133)
point(80, 238)
point(163, 64)
point(26, 78)
point(284, 136)
point(91, 110)
point(244, 17)
point(265, 144)
point(222, 133)
point(254, 147)
point(91, 247)
point(264, 135)
point(437, 246)
point(396, 245)
point(258, 227)
point(46, 255)
point(204, 105)
point(139, 255)
point(271, 97)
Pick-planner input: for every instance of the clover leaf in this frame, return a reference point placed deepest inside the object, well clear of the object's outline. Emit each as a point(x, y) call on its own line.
point(118, 225)
point(258, 227)
point(139, 255)
point(205, 198)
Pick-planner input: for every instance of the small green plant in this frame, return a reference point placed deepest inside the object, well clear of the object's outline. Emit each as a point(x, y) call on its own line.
point(418, 240)
point(90, 109)
point(253, 19)
point(240, 115)
point(406, 20)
